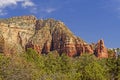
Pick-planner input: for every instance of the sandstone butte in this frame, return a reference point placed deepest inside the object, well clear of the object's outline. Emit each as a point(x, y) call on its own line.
point(22, 32)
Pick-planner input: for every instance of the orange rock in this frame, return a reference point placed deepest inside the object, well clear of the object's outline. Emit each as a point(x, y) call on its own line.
point(101, 50)
point(24, 32)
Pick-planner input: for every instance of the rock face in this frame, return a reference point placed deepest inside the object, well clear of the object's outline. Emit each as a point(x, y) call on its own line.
point(15, 33)
point(101, 50)
point(54, 35)
point(1, 44)
point(19, 33)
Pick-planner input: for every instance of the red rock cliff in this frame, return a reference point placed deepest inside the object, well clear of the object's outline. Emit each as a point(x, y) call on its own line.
point(19, 33)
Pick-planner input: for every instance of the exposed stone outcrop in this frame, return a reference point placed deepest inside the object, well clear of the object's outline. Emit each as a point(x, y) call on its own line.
point(101, 50)
point(54, 35)
point(2, 42)
point(20, 33)
point(16, 32)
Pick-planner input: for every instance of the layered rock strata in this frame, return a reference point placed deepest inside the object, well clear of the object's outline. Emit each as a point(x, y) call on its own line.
point(19, 33)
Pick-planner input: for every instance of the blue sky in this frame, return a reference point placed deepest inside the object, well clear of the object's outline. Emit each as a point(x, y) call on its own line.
point(89, 19)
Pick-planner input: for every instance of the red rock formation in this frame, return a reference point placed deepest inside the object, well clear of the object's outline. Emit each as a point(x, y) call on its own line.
point(84, 48)
point(33, 46)
point(43, 36)
point(70, 48)
point(101, 50)
point(16, 32)
point(88, 49)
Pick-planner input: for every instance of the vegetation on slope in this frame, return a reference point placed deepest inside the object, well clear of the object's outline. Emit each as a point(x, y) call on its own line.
point(32, 66)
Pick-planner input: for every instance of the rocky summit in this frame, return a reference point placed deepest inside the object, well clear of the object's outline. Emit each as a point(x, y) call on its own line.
point(19, 33)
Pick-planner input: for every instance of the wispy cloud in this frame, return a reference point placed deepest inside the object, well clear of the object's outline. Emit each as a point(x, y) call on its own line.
point(27, 3)
point(31, 6)
point(8, 3)
point(5, 3)
point(2, 12)
point(116, 7)
point(112, 6)
point(34, 10)
point(49, 10)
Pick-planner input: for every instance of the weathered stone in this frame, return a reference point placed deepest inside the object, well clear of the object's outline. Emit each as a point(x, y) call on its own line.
point(101, 50)
point(20, 33)
point(16, 36)
point(2, 43)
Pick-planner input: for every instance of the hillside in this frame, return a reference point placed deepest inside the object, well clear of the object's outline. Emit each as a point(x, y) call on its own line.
point(17, 34)
point(33, 49)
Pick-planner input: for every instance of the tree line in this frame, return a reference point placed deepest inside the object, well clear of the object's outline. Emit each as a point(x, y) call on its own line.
point(32, 66)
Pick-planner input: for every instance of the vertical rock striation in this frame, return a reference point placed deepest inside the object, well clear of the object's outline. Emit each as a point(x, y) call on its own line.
point(101, 50)
point(16, 32)
point(19, 33)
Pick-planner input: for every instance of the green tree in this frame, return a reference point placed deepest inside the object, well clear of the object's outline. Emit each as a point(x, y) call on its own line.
point(113, 65)
point(90, 68)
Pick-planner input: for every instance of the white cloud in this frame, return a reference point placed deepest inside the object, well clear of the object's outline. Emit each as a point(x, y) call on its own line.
point(116, 7)
point(49, 10)
point(8, 3)
point(2, 12)
point(5, 3)
point(28, 3)
point(33, 10)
